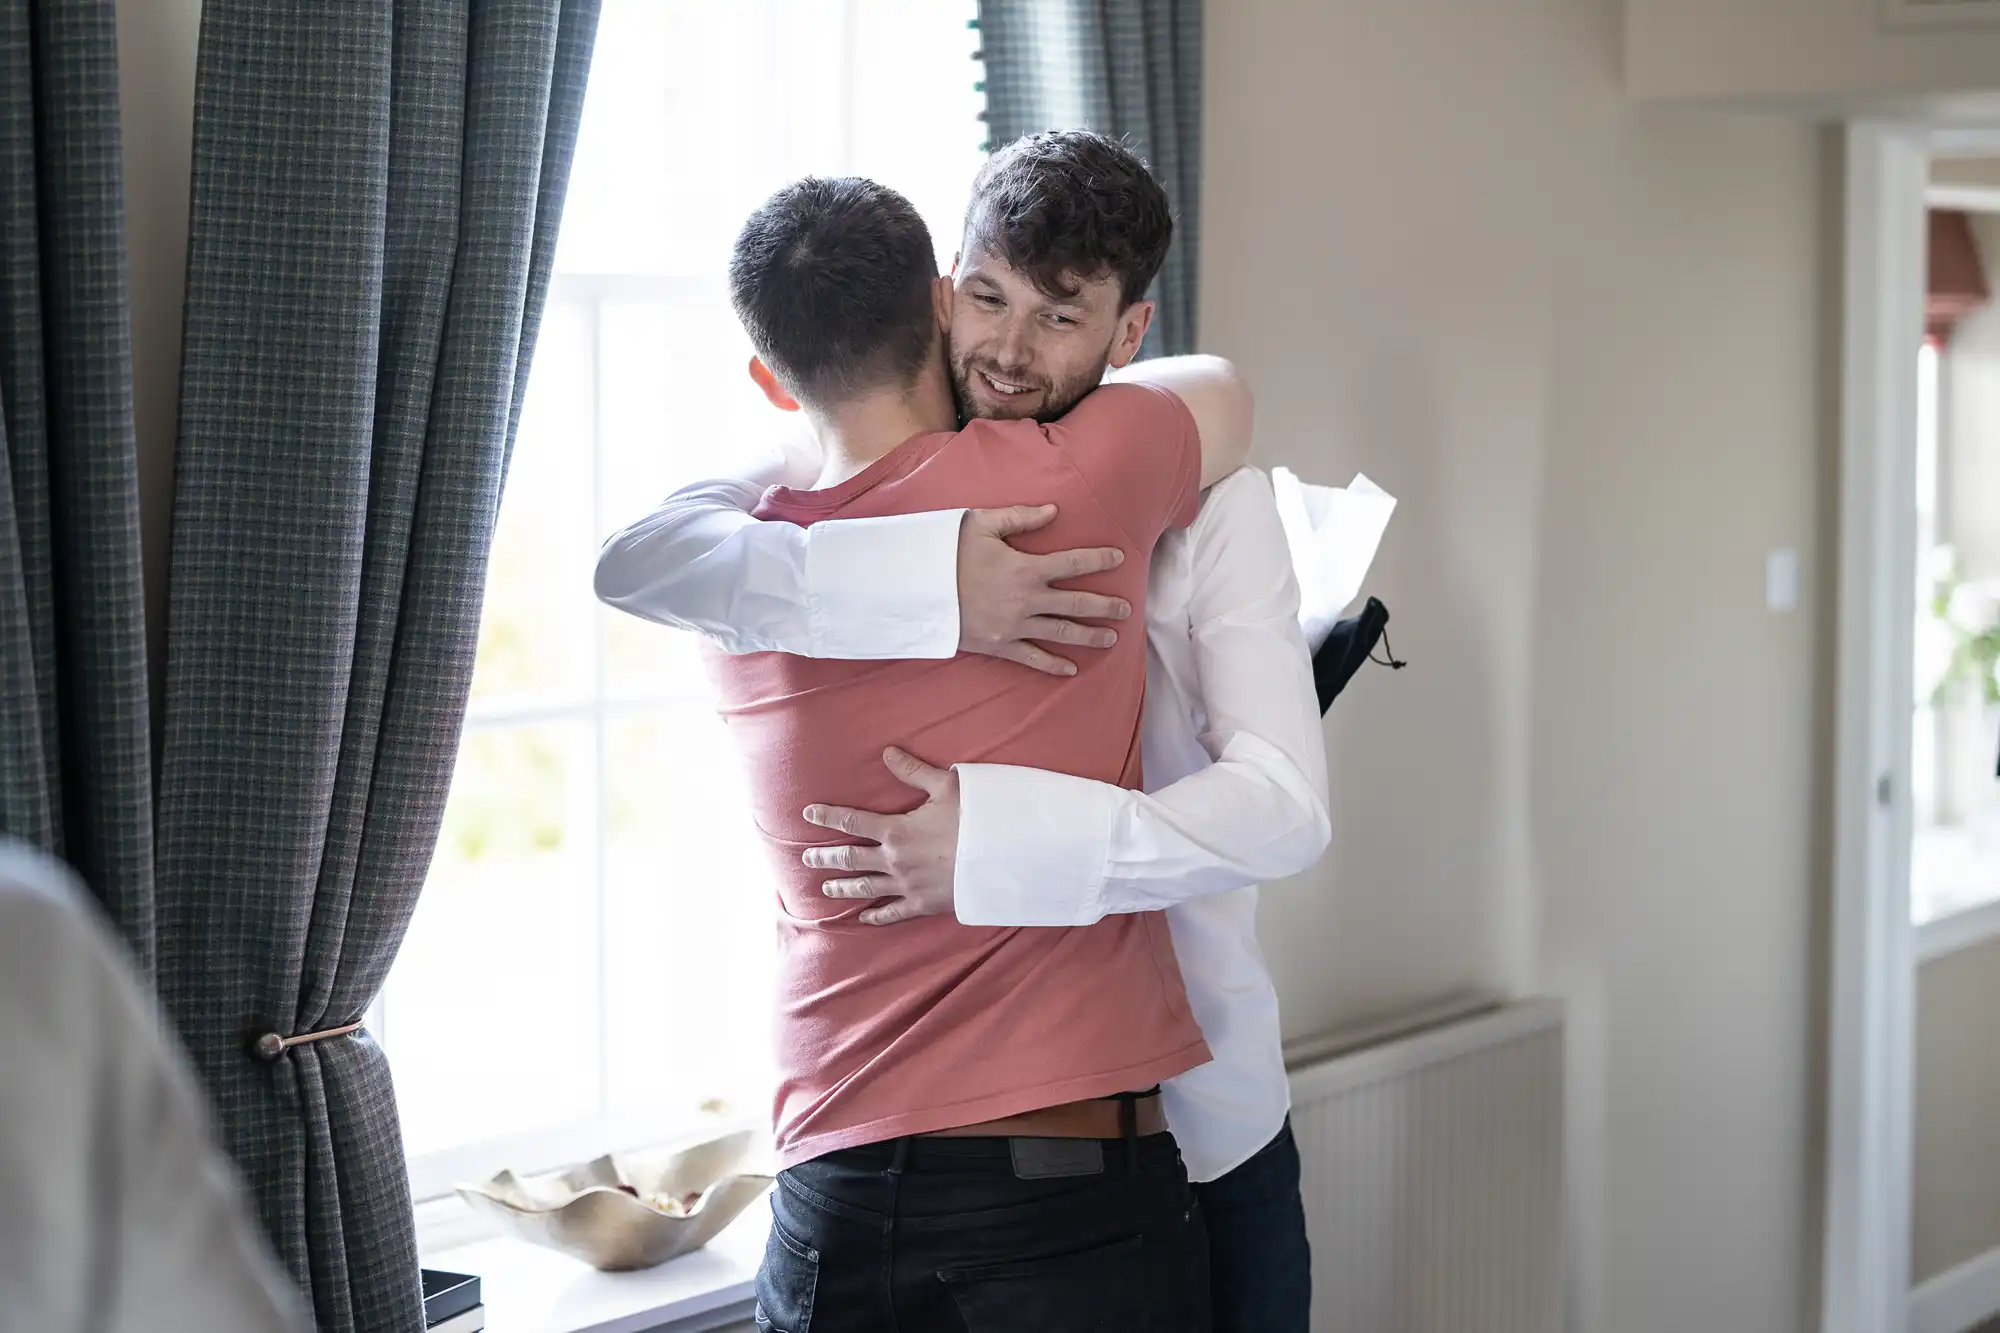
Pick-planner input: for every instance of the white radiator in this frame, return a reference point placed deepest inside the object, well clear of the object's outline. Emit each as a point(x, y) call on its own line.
point(1433, 1177)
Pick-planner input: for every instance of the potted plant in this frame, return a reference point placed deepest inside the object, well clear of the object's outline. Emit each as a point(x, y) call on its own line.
point(1967, 698)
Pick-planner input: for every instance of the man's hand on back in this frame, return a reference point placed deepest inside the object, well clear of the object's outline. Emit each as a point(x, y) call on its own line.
point(911, 870)
point(1005, 599)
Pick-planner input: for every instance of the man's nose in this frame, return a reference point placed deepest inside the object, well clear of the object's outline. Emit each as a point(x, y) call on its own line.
point(1016, 350)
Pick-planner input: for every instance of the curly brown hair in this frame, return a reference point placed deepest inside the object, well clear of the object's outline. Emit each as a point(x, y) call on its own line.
point(1072, 206)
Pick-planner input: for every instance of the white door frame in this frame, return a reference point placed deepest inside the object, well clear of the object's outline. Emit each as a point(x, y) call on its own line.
point(1865, 1283)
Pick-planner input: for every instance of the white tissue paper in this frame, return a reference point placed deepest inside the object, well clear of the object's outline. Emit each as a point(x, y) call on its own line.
point(1333, 532)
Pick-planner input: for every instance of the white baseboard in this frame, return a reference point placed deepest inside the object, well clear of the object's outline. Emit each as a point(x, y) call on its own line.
point(1958, 1298)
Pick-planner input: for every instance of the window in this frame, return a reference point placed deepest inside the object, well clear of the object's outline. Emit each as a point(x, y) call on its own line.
point(590, 962)
point(1955, 846)
point(1930, 644)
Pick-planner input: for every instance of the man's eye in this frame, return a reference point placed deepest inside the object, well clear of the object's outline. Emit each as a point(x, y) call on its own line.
point(1061, 321)
point(991, 302)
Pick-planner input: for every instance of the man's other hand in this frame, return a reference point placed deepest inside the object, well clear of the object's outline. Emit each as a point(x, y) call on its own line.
point(1005, 597)
point(911, 868)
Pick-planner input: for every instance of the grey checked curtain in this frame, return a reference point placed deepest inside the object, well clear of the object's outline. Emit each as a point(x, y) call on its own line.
point(74, 736)
point(1130, 68)
point(377, 185)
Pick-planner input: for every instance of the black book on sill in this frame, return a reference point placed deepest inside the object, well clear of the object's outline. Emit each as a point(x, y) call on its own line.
point(452, 1303)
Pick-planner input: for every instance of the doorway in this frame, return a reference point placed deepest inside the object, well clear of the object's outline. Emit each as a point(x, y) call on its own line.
point(1913, 1171)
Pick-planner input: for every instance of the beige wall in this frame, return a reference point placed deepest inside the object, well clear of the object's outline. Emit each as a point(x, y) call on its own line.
point(1586, 345)
point(1956, 1203)
point(1979, 173)
point(156, 41)
point(1825, 51)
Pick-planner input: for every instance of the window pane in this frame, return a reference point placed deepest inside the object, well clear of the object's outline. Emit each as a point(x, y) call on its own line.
point(677, 131)
point(534, 629)
point(675, 406)
point(644, 661)
point(930, 157)
point(884, 89)
point(676, 397)
point(492, 1005)
point(1955, 847)
point(688, 915)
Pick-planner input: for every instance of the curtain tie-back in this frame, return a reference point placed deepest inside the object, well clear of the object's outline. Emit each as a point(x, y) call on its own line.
point(271, 1047)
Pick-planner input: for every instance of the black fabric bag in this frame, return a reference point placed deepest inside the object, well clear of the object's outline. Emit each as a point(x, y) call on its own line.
point(1351, 643)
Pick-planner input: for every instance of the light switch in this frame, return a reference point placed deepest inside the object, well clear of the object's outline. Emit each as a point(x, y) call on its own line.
point(1781, 580)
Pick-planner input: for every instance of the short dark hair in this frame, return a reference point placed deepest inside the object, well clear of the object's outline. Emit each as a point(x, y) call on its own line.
point(1070, 205)
point(832, 278)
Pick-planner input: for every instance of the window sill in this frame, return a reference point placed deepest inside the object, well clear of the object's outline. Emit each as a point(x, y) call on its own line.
point(1958, 930)
point(528, 1289)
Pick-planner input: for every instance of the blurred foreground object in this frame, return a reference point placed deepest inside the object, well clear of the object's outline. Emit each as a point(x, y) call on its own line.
point(117, 1212)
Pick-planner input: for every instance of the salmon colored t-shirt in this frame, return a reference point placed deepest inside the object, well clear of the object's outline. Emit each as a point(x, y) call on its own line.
point(928, 1024)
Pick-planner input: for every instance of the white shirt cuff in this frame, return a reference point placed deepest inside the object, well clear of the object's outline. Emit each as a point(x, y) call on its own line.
point(881, 588)
point(1032, 846)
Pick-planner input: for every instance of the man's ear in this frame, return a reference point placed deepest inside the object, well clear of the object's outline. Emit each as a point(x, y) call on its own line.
point(1132, 326)
point(773, 390)
point(942, 295)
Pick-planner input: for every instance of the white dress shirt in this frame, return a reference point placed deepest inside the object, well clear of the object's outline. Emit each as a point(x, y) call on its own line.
point(1234, 761)
point(860, 589)
point(117, 1212)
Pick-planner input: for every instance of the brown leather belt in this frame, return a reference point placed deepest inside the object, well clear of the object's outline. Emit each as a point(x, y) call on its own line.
point(1098, 1118)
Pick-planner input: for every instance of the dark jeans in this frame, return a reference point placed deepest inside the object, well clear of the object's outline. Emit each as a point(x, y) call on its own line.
point(987, 1236)
point(1260, 1267)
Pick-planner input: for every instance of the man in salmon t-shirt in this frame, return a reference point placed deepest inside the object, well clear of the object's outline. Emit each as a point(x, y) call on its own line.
point(966, 1120)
